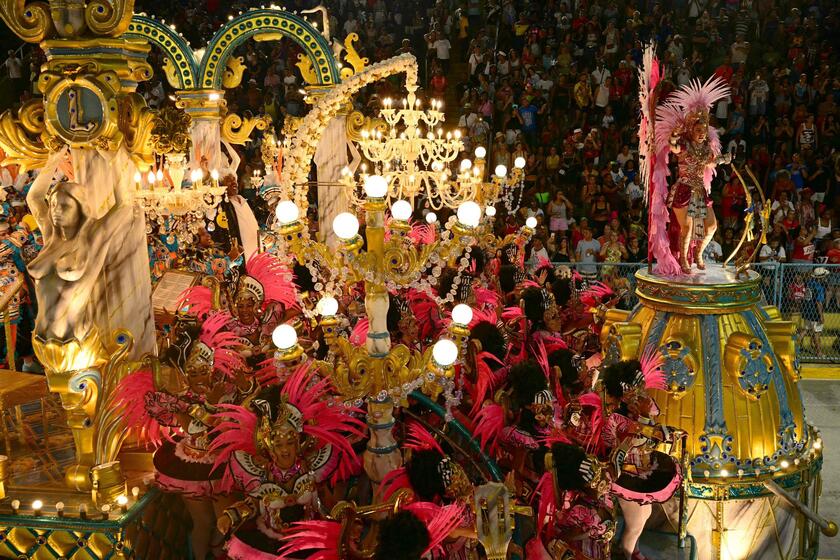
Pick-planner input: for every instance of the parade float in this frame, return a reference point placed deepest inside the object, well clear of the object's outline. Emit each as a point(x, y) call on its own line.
point(730, 363)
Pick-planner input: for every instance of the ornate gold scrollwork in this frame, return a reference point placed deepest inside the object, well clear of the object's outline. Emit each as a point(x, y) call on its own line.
point(357, 122)
point(31, 22)
point(307, 71)
point(137, 124)
point(352, 58)
point(237, 130)
point(750, 363)
point(232, 75)
point(171, 72)
point(171, 131)
point(22, 137)
point(785, 340)
point(106, 17)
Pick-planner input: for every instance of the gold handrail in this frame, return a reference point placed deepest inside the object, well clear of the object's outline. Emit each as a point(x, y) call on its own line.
point(7, 320)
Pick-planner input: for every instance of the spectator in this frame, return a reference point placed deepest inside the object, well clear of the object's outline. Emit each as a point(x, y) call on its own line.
point(587, 253)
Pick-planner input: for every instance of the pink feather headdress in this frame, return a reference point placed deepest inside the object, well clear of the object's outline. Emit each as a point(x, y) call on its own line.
point(322, 539)
point(197, 301)
point(269, 281)
point(652, 361)
point(216, 341)
point(595, 294)
point(129, 399)
point(417, 439)
point(320, 416)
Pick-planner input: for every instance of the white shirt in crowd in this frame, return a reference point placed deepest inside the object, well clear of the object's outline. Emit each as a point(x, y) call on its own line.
point(442, 46)
point(600, 75)
point(768, 255)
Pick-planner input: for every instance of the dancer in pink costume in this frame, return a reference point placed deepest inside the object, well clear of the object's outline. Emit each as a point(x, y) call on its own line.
point(681, 219)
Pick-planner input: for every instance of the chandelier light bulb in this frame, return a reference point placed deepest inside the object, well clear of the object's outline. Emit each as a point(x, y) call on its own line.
point(214, 175)
point(401, 210)
point(462, 314)
point(469, 214)
point(519, 162)
point(195, 175)
point(531, 222)
point(137, 177)
point(501, 171)
point(445, 352)
point(376, 186)
point(490, 211)
point(159, 175)
point(465, 164)
point(431, 217)
point(37, 505)
point(346, 226)
point(327, 306)
point(284, 337)
point(287, 212)
point(480, 152)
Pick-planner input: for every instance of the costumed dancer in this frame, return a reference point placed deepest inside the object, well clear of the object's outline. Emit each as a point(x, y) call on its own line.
point(278, 454)
point(682, 128)
point(434, 477)
point(644, 475)
point(574, 520)
point(208, 372)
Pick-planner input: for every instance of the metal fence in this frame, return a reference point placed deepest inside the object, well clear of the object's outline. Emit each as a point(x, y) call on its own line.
point(810, 300)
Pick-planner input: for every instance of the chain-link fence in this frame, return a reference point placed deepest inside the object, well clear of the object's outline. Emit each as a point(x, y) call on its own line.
point(806, 293)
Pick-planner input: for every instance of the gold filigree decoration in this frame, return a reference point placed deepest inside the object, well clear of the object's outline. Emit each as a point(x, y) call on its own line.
point(109, 17)
point(352, 58)
point(304, 64)
point(237, 130)
point(358, 374)
point(171, 131)
point(22, 136)
point(232, 75)
point(31, 22)
point(136, 123)
point(171, 73)
point(357, 122)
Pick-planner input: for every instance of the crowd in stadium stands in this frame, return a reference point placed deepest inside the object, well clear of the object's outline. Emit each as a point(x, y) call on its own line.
point(555, 81)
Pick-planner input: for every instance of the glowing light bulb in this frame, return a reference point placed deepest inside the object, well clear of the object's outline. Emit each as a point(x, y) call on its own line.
point(501, 171)
point(59, 507)
point(122, 500)
point(137, 177)
point(490, 211)
point(818, 444)
point(214, 96)
point(785, 464)
point(519, 163)
point(346, 226)
point(287, 212)
point(376, 186)
point(151, 177)
point(37, 505)
point(159, 175)
point(431, 217)
point(531, 222)
point(214, 175)
point(465, 164)
point(135, 491)
point(462, 314)
point(469, 214)
point(284, 337)
point(480, 152)
point(724, 472)
point(327, 306)
point(195, 175)
point(401, 210)
point(445, 352)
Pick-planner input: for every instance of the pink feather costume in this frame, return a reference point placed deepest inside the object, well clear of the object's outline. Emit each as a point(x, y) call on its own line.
point(659, 125)
point(183, 462)
point(277, 496)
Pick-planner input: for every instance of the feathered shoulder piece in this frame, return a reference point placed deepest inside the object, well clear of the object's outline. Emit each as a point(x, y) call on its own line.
point(216, 337)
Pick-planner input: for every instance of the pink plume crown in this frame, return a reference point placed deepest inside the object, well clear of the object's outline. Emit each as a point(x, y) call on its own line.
point(269, 281)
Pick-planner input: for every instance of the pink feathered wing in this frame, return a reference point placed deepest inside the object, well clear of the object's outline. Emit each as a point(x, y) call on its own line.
point(652, 361)
point(129, 399)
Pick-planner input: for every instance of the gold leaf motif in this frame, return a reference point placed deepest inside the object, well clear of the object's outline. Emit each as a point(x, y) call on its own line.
point(232, 75)
point(136, 122)
point(21, 136)
point(352, 57)
point(31, 22)
point(171, 131)
point(357, 122)
point(109, 17)
point(306, 69)
point(237, 130)
point(171, 73)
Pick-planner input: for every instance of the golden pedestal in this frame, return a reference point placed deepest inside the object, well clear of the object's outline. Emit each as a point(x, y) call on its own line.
point(731, 370)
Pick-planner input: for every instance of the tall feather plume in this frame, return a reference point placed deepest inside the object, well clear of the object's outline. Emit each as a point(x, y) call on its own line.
point(418, 438)
point(129, 399)
point(197, 300)
point(223, 343)
point(486, 379)
point(652, 361)
point(235, 431)
point(440, 522)
point(320, 539)
point(395, 480)
point(489, 423)
point(649, 77)
point(596, 293)
point(276, 280)
point(547, 504)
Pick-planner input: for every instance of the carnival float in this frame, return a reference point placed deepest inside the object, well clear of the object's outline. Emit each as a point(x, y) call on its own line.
point(357, 383)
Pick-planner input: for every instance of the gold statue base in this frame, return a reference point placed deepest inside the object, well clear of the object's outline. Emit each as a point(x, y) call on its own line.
point(731, 371)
